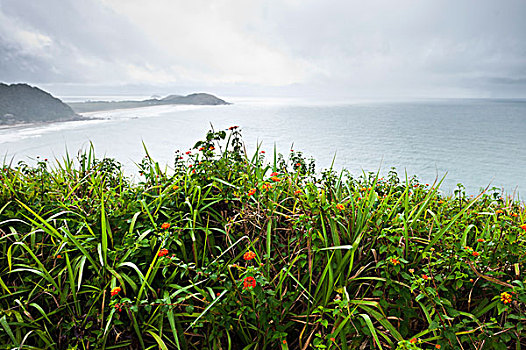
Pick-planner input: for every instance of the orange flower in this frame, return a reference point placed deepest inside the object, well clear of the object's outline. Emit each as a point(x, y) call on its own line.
point(266, 186)
point(284, 341)
point(426, 277)
point(394, 261)
point(413, 341)
point(437, 346)
point(274, 174)
point(297, 192)
point(201, 148)
point(115, 291)
point(252, 192)
point(176, 187)
point(165, 226)
point(475, 254)
point(249, 255)
point(505, 297)
point(188, 152)
point(499, 212)
point(340, 207)
point(332, 339)
point(163, 252)
point(249, 282)
point(212, 148)
point(480, 240)
point(59, 256)
point(275, 178)
point(298, 164)
point(523, 227)
point(514, 215)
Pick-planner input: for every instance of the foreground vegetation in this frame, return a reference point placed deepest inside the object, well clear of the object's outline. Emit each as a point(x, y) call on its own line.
point(228, 251)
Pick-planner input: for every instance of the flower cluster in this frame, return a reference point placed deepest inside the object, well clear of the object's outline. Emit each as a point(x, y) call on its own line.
point(249, 255)
point(394, 261)
point(505, 297)
point(266, 186)
point(252, 192)
point(115, 291)
point(163, 252)
point(165, 226)
point(340, 206)
point(249, 282)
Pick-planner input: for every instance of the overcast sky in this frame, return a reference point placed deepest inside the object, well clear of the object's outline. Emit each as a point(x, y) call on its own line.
point(342, 48)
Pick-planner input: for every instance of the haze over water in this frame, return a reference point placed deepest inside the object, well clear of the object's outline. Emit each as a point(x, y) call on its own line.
point(477, 142)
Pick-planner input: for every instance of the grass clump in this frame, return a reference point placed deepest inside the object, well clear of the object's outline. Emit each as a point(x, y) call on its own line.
point(228, 251)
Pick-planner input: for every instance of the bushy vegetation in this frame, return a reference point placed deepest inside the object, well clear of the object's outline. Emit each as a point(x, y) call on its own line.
point(227, 251)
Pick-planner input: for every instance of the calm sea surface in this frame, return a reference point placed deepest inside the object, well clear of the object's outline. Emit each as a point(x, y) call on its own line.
point(476, 142)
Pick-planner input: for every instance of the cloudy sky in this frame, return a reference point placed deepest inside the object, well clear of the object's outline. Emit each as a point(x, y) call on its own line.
point(342, 48)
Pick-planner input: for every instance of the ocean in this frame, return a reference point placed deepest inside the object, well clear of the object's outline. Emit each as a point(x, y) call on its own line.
point(478, 143)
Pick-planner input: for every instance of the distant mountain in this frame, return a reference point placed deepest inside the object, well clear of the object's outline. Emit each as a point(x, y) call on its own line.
point(192, 99)
point(21, 103)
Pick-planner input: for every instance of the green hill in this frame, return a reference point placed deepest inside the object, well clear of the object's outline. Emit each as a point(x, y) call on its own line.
point(21, 103)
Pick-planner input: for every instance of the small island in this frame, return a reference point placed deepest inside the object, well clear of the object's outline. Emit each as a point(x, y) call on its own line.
point(201, 99)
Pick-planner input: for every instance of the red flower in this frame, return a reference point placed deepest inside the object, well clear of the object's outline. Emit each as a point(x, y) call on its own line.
point(426, 277)
point(274, 174)
point(249, 255)
point(475, 254)
point(212, 148)
point(165, 226)
point(275, 178)
point(332, 339)
point(115, 291)
point(298, 164)
point(163, 252)
point(252, 192)
point(523, 227)
point(340, 207)
point(297, 192)
point(201, 148)
point(413, 341)
point(263, 152)
point(480, 240)
point(188, 152)
point(249, 282)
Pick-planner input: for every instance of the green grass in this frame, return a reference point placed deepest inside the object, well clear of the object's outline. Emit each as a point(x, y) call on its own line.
point(341, 261)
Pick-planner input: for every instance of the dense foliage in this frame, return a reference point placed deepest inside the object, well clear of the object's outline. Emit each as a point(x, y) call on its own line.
point(227, 251)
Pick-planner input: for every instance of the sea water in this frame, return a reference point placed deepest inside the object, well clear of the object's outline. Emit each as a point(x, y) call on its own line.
point(478, 143)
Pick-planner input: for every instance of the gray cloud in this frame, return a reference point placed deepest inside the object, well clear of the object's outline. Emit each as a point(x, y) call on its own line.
point(351, 48)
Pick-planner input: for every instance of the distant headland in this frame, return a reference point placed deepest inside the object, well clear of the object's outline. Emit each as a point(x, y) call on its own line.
point(21, 104)
point(24, 104)
point(201, 99)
